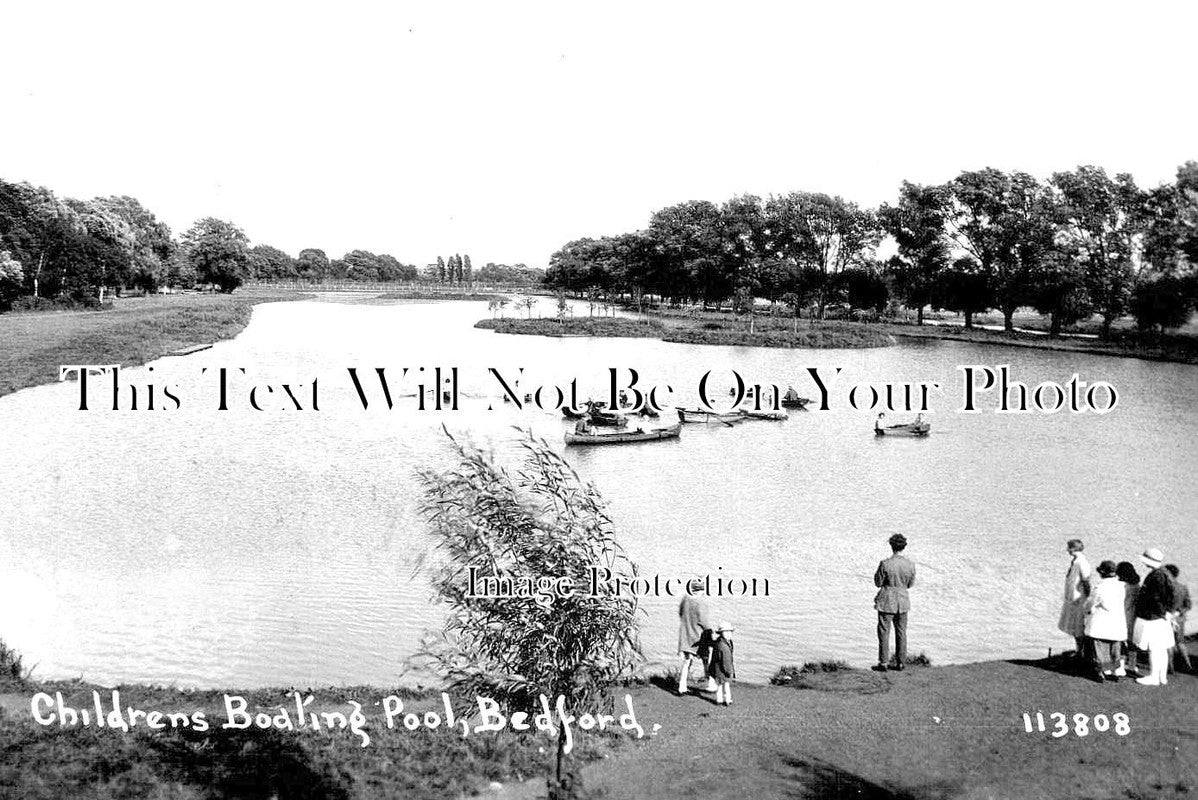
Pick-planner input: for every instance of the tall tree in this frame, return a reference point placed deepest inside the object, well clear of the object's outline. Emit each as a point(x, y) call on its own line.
point(822, 232)
point(268, 263)
point(1102, 221)
point(964, 288)
point(40, 231)
point(1005, 222)
point(441, 271)
point(467, 269)
point(312, 264)
point(917, 224)
point(218, 250)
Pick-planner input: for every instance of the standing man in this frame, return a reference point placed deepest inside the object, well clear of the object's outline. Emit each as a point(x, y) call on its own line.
point(895, 575)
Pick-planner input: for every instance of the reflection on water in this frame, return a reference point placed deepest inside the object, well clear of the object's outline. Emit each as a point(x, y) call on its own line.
point(241, 547)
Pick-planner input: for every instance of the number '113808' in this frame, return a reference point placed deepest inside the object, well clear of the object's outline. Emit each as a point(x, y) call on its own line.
point(1061, 724)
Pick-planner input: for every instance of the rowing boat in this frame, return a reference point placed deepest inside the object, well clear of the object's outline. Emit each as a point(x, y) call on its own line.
point(775, 416)
point(692, 415)
point(918, 428)
point(625, 437)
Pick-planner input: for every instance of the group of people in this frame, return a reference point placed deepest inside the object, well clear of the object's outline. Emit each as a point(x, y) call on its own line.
point(699, 641)
point(1113, 616)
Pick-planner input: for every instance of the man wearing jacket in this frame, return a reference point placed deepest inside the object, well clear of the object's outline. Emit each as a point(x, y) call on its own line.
point(894, 576)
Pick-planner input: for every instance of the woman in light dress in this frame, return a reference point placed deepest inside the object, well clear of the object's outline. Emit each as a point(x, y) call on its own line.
point(1077, 585)
point(1106, 621)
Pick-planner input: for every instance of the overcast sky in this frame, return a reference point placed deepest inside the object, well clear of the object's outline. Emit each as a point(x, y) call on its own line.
point(503, 130)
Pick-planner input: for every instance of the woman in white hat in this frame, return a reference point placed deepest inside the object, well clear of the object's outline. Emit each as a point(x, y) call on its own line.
point(1153, 631)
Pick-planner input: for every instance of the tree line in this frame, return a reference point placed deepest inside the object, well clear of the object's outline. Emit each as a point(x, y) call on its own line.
point(68, 250)
point(1080, 244)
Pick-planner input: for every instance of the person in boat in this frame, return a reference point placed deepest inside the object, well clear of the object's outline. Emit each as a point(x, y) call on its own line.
point(894, 576)
point(694, 634)
point(583, 428)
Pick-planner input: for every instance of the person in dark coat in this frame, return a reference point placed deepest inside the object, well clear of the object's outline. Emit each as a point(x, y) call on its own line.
point(894, 576)
point(1153, 632)
point(722, 669)
point(694, 634)
point(1181, 609)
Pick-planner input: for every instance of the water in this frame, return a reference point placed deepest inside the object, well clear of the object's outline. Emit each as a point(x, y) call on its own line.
point(242, 548)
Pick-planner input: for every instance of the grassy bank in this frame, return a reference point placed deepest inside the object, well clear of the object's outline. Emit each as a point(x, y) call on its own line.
point(52, 762)
point(132, 332)
point(1180, 348)
point(700, 330)
point(825, 730)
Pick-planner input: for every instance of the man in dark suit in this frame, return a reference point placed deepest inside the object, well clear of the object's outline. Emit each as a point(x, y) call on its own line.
point(895, 575)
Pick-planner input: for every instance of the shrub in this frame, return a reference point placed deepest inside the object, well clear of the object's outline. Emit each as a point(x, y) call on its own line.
point(543, 521)
point(11, 668)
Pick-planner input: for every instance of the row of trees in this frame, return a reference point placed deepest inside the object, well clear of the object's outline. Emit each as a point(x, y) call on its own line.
point(1081, 243)
point(66, 248)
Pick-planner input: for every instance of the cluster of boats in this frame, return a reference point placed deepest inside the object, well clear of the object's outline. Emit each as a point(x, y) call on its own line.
point(597, 424)
point(597, 415)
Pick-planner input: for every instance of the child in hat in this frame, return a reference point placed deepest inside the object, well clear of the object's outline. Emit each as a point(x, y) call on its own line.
point(721, 669)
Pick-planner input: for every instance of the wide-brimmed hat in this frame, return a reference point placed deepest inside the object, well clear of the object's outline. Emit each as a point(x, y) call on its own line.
point(724, 627)
point(1153, 557)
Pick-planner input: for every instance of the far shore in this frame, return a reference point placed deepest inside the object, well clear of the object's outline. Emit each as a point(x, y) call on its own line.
point(927, 732)
point(718, 328)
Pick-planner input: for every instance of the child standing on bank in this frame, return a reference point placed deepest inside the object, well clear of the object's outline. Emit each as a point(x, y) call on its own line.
point(722, 670)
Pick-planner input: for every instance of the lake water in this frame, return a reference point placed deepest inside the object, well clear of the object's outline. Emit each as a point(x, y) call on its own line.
point(242, 548)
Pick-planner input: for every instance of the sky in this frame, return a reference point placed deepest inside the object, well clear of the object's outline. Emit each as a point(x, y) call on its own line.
point(503, 130)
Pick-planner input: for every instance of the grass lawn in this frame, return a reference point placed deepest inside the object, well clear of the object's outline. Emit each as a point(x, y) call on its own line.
point(928, 732)
point(132, 332)
point(702, 329)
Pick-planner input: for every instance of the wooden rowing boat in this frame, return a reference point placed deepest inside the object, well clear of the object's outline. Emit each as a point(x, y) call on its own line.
point(693, 415)
point(774, 416)
point(918, 428)
point(625, 437)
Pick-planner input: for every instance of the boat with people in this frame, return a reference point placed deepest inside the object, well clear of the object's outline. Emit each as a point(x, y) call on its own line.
point(584, 434)
point(918, 428)
point(694, 415)
point(607, 419)
point(792, 400)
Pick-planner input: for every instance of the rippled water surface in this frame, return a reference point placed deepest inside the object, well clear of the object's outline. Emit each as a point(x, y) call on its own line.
point(240, 548)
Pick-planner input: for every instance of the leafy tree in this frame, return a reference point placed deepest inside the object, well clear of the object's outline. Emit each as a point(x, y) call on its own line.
point(268, 263)
point(542, 520)
point(824, 233)
point(1163, 301)
point(1101, 222)
point(151, 247)
point(1059, 291)
point(864, 288)
point(691, 240)
point(312, 264)
point(40, 231)
point(965, 288)
point(102, 255)
point(917, 224)
point(218, 251)
point(1006, 223)
point(441, 271)
point(1171, 239)
point(467, 269)
point(11, 279)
